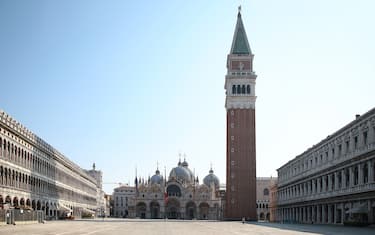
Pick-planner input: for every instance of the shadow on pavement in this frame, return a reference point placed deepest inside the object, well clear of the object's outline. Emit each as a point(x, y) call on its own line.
point(119, 220)
point(320, 229)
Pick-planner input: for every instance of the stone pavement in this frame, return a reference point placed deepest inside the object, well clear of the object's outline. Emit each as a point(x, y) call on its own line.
point(175, 227)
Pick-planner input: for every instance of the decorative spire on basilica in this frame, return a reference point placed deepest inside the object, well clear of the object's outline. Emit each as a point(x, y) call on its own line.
point(179, 159)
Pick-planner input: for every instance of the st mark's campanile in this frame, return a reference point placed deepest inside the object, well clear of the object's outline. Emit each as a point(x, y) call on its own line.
point(240, 107)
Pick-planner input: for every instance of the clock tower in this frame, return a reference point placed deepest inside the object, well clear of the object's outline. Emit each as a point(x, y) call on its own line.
point(240, 107)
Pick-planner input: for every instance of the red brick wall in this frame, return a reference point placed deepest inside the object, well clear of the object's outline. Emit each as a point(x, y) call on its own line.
point(243, 166)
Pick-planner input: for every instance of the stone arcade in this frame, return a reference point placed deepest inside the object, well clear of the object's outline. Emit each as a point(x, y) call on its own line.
point(333, 182)
point(35, 176)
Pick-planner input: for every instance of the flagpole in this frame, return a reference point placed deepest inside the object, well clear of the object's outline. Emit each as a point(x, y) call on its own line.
point(165, 193)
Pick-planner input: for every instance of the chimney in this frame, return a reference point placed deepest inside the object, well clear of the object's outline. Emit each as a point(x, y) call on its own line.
point(357, 116)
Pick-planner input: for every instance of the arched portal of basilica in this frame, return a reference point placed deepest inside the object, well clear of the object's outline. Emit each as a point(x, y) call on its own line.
point(155, 210)
point(173, 209)
point(141, 210)
point(191, 210)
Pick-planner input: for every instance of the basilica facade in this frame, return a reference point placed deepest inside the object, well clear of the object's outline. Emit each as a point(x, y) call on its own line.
point(181, 196)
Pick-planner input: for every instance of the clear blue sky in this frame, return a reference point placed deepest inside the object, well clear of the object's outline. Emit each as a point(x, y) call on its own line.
point(132, 83)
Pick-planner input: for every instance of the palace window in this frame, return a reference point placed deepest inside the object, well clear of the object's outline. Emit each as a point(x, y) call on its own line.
point(365, 138)
point(316, 185)
point(355, 175)
point(238, 89)
point(234, 89)
point(320, 184)
point(326, 180)
point(248, 89)
point(347, 179)
point(266, 192)
point(365, 173)
point(347, 146)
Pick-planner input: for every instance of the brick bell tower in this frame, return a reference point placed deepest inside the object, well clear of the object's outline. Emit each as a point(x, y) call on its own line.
point(240, 106)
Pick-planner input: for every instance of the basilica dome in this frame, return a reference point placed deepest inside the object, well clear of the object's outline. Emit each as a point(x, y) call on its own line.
point(186, 166)
point(157, 178)
point(180, 173)
point(211, 178)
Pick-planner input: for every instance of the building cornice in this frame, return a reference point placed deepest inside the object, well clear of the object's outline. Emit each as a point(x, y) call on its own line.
point(351, 127)
point(20, 131)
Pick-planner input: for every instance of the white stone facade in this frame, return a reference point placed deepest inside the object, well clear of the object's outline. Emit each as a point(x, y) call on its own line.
point(123, 197)
point(332, 182)
point(240, 86)
point(264, 185)
point(34, 175)
point(101, 204)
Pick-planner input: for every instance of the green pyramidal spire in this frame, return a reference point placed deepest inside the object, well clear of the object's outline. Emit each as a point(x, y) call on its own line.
point(240, 45)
